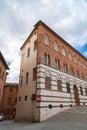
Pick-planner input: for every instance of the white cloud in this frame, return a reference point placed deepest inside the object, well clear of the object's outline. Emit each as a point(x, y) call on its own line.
point(67, 18)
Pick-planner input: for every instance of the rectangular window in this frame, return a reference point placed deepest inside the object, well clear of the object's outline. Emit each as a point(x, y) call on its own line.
point(59, 85)
point(25, 98)
point(21, 80)
point(65, 68)
point(57, 64)
point(35, 45)
point(47, 59)
point(35, 73)
point(27, 75)
point(28, 52)
point(47, 83)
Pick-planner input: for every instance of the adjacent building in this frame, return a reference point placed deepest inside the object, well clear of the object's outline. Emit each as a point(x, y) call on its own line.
point(3, 75)
point(53, 76)
point(9, 100)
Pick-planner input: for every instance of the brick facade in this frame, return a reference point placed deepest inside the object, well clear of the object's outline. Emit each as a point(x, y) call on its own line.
point(10, 100)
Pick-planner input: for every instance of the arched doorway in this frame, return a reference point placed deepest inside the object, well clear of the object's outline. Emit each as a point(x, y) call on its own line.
point(76, 96)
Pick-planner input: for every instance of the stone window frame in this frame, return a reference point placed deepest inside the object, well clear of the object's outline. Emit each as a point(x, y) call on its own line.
point(68, 87)
point(47, 83)
point(59, 85)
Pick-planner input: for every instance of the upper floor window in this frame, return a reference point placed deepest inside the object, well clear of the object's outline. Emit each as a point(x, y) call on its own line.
point(28, 52)
point(63, 51)
point(46, 39)
point(47, 82)
point(21, 80)
point(47, 59)
point(55, 46)
point(27, 75)
point(57, 64)
point(72, 70)
point(59, 85)
point(65, 68)
point(68, 87)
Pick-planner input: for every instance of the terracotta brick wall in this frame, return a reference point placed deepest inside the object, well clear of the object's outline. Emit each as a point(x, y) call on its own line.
point(42, 48)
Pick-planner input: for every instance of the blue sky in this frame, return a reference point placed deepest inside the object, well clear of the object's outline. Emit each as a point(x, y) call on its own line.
point(68, 18)
point(83, 49)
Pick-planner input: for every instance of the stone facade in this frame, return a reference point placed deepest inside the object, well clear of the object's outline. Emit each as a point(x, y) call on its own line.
point(60, 81)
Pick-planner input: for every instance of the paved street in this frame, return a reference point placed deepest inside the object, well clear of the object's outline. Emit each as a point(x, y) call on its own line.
point(72, 119)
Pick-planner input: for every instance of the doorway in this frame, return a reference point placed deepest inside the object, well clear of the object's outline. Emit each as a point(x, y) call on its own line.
point(76, 96)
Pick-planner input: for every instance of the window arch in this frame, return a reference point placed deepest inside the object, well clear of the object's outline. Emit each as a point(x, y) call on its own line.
point(68, 87)
point(46, 39)
point(55, 46)
point(63, 51)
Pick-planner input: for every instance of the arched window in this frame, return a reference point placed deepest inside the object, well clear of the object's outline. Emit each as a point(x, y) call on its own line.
point(47, 82)
point(63, 51)
point(46, 39)
point(68, 87)
point(59, 85)
point(55, 46)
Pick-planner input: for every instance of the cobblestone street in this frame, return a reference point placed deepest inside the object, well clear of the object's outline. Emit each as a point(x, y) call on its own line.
point(72, 119)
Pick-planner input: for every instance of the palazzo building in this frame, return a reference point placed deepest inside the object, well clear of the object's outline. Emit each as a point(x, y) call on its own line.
point(53, 76)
